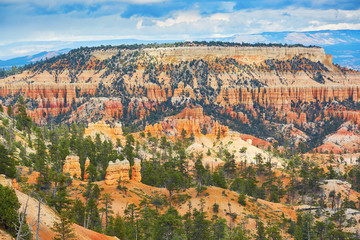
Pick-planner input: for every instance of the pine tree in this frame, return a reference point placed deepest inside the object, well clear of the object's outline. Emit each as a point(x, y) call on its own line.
point(7, 163)
point(260, 231)
point(61, 199)
point(41, 159)
point(9, 111)
point(78, 212)
point(63, 228)
point(219, 229)
point(168, 225)
point(273, 232)
point(107, 201)
point(9, 205)
point(116, 227)
point(201, 226)
point(23, 121)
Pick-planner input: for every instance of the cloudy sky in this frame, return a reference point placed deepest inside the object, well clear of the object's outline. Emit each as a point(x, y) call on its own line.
point(52, 24)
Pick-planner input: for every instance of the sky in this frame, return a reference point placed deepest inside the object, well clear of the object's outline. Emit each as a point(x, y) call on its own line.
point(28, 26)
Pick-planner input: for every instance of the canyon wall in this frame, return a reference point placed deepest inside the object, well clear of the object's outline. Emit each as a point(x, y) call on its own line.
point(106, 87)
point(282, 97)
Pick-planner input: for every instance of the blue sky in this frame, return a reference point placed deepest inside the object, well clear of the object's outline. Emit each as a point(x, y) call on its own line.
point(29, 26)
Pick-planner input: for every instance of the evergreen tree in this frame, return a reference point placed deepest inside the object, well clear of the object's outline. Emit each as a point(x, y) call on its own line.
point(9, 111)
point(61, 200)
point(41, 160)
point(218, 179)
point(78, 212)
point(63, 228)
point(23, 121)
point(9, 205)
point(219, 229)
point(260, 231)
point(116, 227)
point(107, 202)
point(7, 163)
point(129, 149)
point(201, 226)
point(242, 199)
point(273, 232)
point(168, 225)
point(93, 217)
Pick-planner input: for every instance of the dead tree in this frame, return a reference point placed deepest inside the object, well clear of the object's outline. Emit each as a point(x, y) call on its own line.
point(22, 221)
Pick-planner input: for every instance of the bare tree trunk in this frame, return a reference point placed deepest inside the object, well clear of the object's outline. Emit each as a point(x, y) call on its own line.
point(38, 220)
point(22, 217)
point(106, 215)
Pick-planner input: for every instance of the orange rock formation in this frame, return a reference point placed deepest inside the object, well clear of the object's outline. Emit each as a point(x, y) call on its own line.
point(86, 173)
point(154, 130)
point(192, 120)
point(72, 166)
point(136, 170)
point(104, 130)
point(281, 97)
point(53, 98)
point(113, 108)
point(156, 93)
point(116, 171)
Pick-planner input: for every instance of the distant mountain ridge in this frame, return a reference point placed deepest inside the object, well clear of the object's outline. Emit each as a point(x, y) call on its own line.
point(21, 61)
point(343, 45)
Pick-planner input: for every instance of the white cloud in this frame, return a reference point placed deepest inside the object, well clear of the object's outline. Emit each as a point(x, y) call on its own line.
point(139, 24)
point(220, 17)
point(86, 2)
point(191, 24)
point(249, 38)
point(180, 18)
point(335, 26)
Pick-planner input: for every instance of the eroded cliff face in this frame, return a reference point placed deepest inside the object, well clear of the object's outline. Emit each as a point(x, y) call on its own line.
point(52, 99)
point(144, 79)
point(281, 98)
point(242, 87)
point(191, 121)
